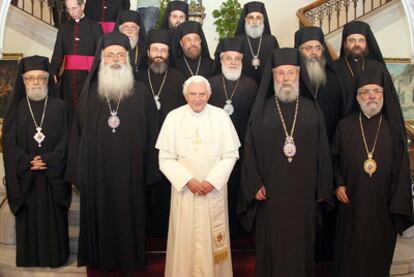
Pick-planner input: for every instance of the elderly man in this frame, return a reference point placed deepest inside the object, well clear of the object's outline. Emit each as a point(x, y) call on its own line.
point(106, 12)
point(198, 148)
point(372, 174)
point(165, 84)
point(175, 14)
point(253, 29)
point(35, 135)
point(191, 51)
point(111, 159)
point(286, 170)
point(359, 51)
point(235, 93)
point(75, 48)
point(129, 23)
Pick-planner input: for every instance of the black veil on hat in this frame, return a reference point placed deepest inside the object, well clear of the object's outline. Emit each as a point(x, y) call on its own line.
point(185, 28)
point(401, 181)
point(360, 27)
point(253, 6)
point(173, 6)
point(9, 123)
point(314, 33)
point(157, 36)
point(132, 16)
point(226, 44)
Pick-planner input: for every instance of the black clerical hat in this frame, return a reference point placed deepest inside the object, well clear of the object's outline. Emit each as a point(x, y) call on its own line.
point(309, 33)
point(173, 6)
point(129, 16)
point(285, 56)
point(370, 76)
point(226, 44)
point(253, 6)
point(360, 27)
point(185, 28)
point(159, 36)
point(35, 63)
point(115, 38)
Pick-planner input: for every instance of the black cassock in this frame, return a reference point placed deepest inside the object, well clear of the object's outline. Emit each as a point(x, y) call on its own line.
point(269, 43)
point(74, 38)
point(39, 199)
point(285, 222)
point(105, 10)
point(158, 194)
point(242, 101)
point(206, 66)
point(349, 79)
point(365, 228)
point(111, 170)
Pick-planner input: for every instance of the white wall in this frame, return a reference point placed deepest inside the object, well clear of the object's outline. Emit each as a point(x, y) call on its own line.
point(15, 42)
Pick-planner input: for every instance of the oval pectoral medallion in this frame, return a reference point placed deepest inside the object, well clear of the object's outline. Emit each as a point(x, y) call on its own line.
point(370, 166)
point(289, 149)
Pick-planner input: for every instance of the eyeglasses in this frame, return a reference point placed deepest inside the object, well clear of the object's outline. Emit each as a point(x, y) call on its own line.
point(230, 59)
point(129, 28)
point(375, 91)
point(157, 50)
point(254, 18)
point(291, 74)
point(41, 79)
point(119, 55)
point(310, 48)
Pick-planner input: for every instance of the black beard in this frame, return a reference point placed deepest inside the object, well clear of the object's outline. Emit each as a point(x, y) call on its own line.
point(159, 67)
point(351, 54)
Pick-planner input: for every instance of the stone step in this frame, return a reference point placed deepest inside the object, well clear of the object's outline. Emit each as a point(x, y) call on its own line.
point(73, 214)
point(73, 239)
point(403, 262)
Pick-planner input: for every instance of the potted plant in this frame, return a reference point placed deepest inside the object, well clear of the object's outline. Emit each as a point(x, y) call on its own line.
point(227, 17)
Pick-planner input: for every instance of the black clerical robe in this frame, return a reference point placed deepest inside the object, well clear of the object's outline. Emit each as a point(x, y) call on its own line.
point(111, 170)
point(366, 229)
point(348, 75)
point(285, 222)
point(105, 10)
point(205, 70)
point(242, 101)
point(269, 43)
point(39, 199)
point(74, 38)
point(159, 194)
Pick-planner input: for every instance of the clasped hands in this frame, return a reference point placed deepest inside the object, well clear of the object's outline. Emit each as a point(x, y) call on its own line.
point(199, 188)
point(38, 164)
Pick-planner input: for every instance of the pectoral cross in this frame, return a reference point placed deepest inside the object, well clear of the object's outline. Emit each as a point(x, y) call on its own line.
point(197, 140)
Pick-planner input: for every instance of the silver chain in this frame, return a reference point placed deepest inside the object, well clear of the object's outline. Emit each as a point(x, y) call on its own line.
point(43, 113)
point(189, 68)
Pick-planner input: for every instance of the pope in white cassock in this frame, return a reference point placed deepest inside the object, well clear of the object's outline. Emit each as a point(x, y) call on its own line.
point(198, 147)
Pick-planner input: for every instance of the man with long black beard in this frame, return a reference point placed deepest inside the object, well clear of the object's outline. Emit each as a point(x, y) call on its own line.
point(359, 51)
point(326, 87)
point(165, 84)
point(253, 29)
point(35, 136)
point(235, 93)
point(129, 23)
point(286, 170)
point(191, 55)
point(111, 159)
point(372, 178)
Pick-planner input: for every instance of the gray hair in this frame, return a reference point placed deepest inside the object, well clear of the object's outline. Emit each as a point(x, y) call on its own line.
point(196, 79)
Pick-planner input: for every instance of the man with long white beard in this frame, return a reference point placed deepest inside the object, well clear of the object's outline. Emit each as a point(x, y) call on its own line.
point(165, 84)
point(129, 23)
point(111, 159)
point(235, 93)
point(372, 178)
point(35, 136)
point(191, 54)
point(253, 29)
point(286, 170)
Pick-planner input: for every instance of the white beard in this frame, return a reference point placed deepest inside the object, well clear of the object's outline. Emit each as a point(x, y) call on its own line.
point(371, 109)
point(231, 74)
point(254, 31)
point(287, 94)
point(115, 83)
point(316, 70)
point(133, 41)
point(37, 93)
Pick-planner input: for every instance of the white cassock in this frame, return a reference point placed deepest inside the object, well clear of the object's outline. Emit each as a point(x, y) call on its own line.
point(203, 146)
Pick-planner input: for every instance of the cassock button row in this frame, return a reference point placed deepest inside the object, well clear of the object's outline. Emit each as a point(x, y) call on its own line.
point(77, 39)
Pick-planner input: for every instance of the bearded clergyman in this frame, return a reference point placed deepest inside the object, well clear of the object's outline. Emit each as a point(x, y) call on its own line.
point(286, 170)
point(111, 159)
point(372, 178)
point(234, 92)
point(253, 29)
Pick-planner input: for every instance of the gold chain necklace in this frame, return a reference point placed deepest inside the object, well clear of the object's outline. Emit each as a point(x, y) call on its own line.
point(289, 148)
point(229, 106)
point(370, 166)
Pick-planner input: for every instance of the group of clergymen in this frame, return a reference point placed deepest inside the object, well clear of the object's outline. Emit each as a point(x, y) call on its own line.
point(259, 140)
